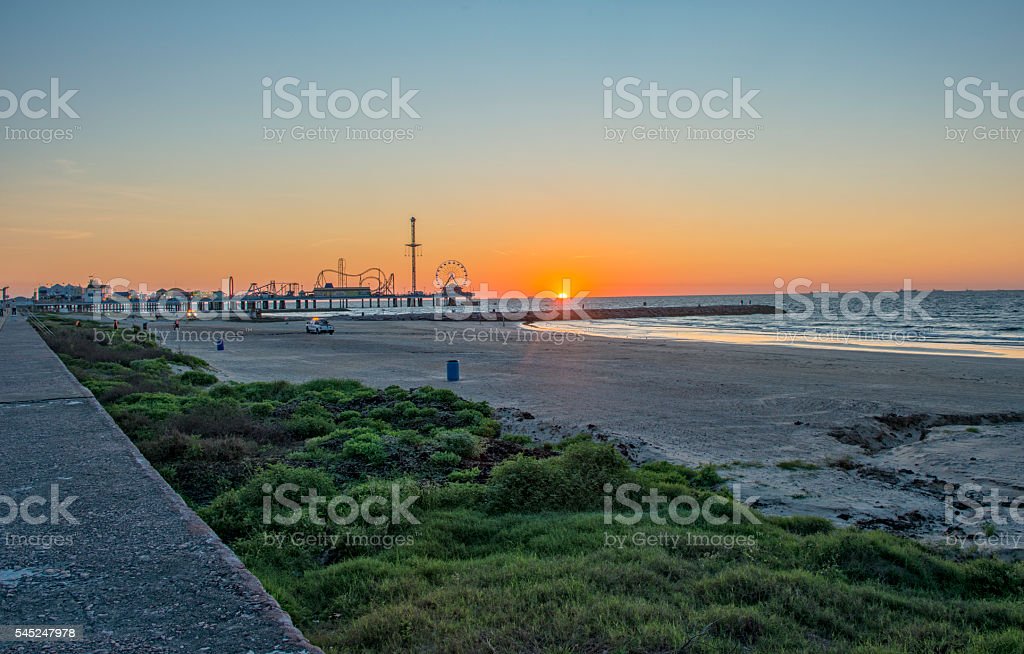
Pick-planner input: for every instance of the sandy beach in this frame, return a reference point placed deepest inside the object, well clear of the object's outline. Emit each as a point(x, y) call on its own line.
point(747, 408)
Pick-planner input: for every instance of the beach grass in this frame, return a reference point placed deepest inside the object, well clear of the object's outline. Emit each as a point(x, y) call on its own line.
point(513, 550)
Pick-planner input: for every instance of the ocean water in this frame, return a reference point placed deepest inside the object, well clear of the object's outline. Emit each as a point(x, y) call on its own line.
point(983, 323)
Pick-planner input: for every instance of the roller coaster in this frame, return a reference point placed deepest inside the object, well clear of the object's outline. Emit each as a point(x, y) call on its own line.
point(379, 282)
point(273, 288)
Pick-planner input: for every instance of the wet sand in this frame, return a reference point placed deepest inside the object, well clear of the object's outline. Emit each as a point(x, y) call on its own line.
point(747, 407)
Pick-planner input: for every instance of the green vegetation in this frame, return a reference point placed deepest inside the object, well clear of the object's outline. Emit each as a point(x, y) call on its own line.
point(512, 553)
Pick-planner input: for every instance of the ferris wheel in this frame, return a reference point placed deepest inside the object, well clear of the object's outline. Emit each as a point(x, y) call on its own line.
point(451, 273)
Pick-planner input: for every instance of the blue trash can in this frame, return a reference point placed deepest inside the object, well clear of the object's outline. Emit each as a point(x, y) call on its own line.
point(220, 344)
point(453, 370)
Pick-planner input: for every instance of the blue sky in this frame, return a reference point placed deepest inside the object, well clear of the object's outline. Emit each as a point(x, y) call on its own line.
point(510, 95)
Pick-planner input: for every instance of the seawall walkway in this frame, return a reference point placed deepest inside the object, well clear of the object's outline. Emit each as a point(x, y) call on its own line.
point(127, 561)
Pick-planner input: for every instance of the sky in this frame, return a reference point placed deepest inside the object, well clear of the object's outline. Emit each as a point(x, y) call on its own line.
point(172, 176)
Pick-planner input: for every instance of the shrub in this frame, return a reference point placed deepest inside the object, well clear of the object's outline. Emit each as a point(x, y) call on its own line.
point(102, 387)
point(572, 440)
point(278, 391)
point(82, 344)
point(158, 366)
point(464, 475)
point(167, 448)
point(445, 459)
point(518, 439)
point(573, 481)
point(459, 442)
point(523, 484)
point(263, 409)
point(227, 449)
point(212, 417)
point(197, 378)
point(312, 409)
point(303, 427)
point(587, 468)
point(239, 512)
point(455, 495)
point(366, 446)
point(487, 428)
point(663, 472)
point(156, 406)
point(409, 437)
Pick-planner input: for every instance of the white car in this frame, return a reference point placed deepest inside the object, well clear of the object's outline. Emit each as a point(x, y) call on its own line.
point(319, 326)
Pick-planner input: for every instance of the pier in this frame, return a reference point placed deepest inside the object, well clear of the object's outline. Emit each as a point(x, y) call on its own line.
point(239, 304)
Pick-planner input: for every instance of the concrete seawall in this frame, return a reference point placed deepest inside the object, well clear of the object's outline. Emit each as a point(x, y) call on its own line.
point(127, 560)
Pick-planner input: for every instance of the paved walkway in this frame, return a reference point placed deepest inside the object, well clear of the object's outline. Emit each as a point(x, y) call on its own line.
point(139, 571)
